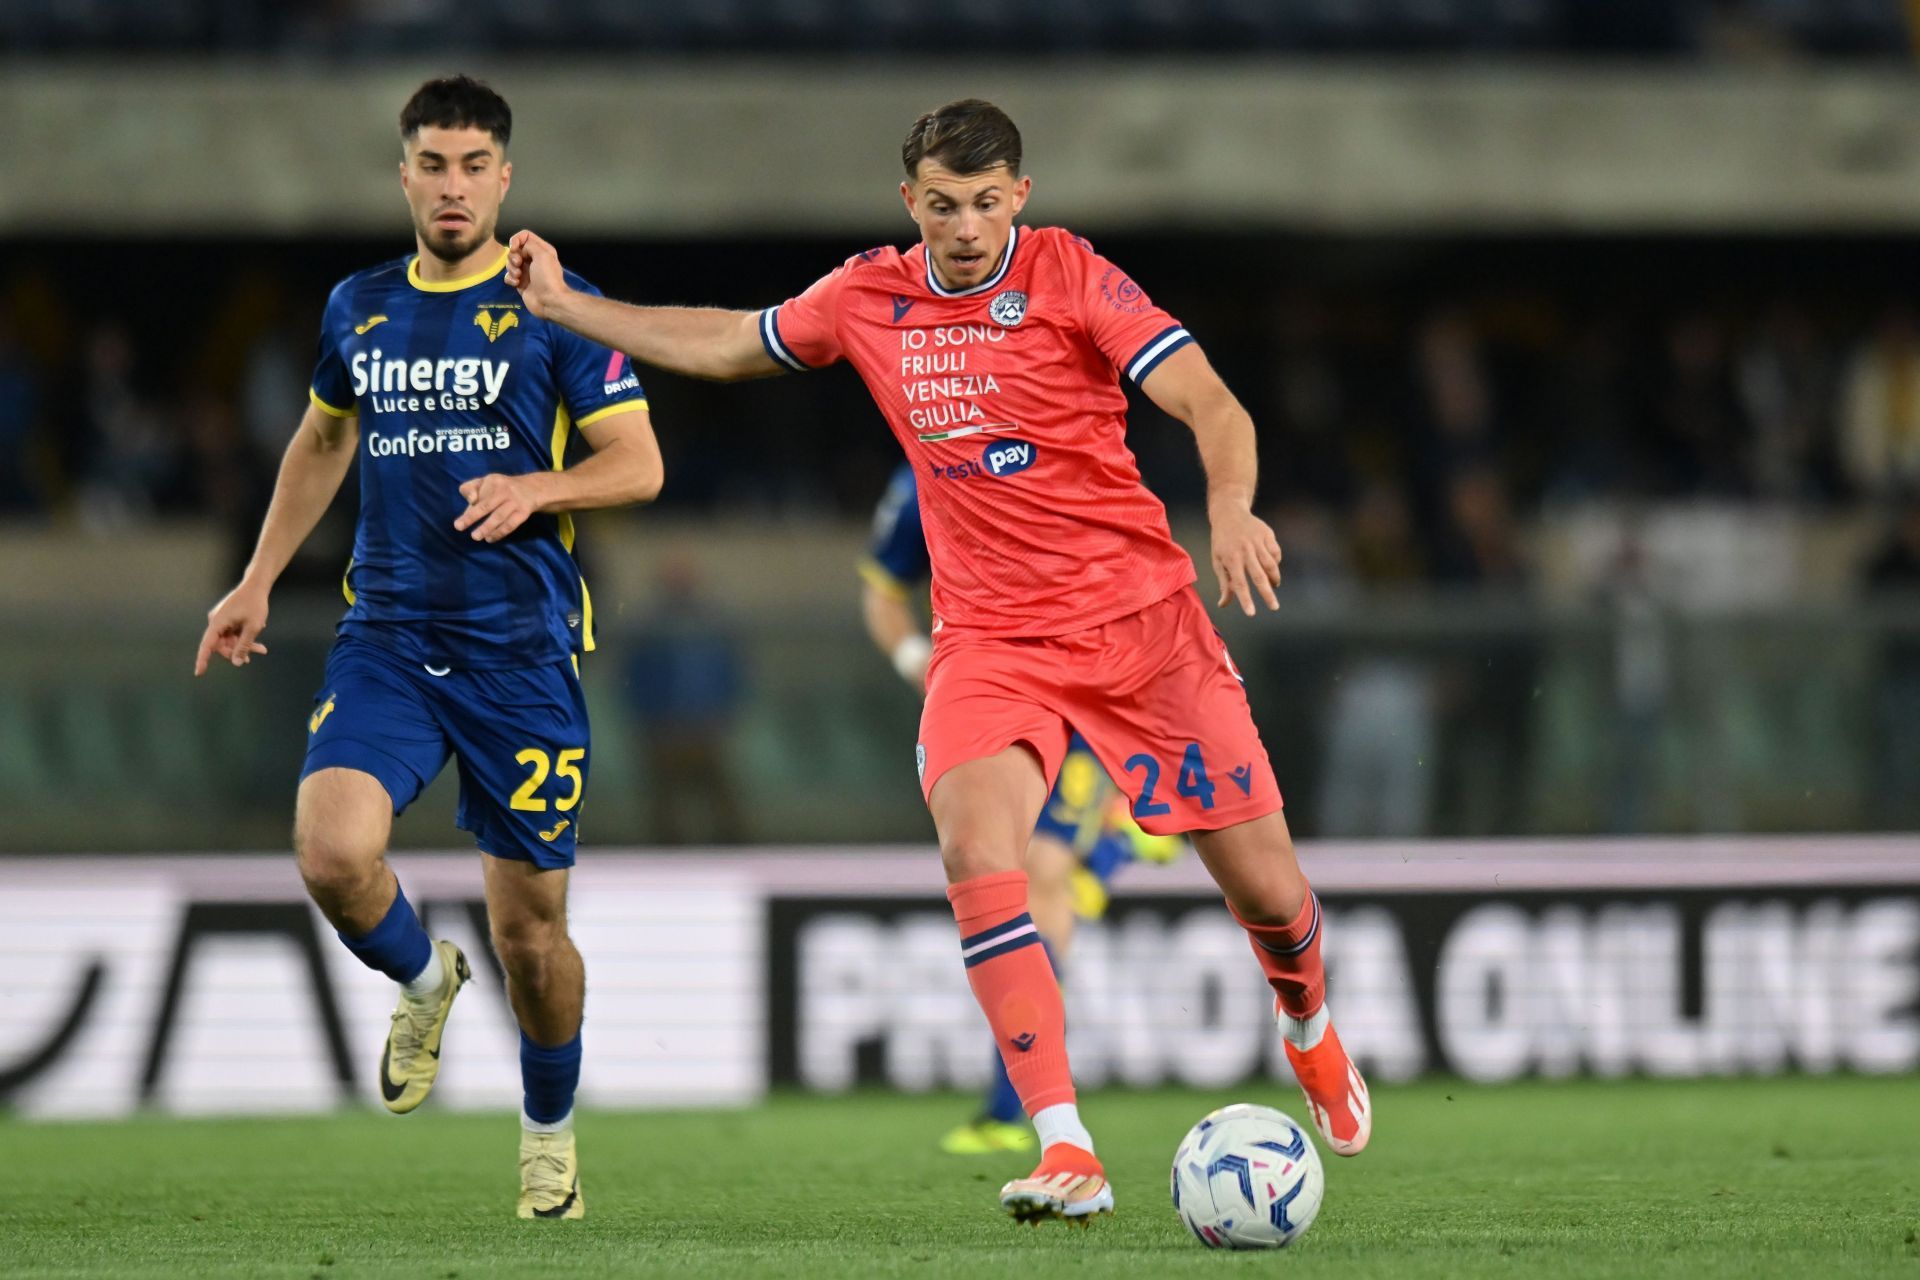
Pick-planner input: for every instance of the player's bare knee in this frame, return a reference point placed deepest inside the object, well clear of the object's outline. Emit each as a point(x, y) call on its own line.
point(1255, 867)
point(340, 826)
point(529, 949)
point(1273, 899)
point(1271, 910)
point(333, 869)
point(968, 854)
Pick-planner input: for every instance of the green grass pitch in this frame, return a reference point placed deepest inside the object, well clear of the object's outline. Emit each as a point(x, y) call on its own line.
point(1795, 1177)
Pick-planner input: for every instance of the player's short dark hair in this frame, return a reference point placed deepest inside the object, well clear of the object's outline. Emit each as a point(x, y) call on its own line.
point(457, 102)
point(968, 136)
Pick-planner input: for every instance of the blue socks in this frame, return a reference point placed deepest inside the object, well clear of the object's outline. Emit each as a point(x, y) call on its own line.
point(549, 1077)
point(398, 946)
point(1003, 1101)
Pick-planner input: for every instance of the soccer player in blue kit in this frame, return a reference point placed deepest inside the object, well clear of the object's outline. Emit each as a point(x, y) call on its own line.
point(466, 614)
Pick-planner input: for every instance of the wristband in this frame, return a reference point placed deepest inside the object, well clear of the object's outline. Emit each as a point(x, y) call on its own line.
point(910, 659)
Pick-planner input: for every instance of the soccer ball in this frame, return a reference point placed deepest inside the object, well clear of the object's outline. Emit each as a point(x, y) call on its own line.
point(1247, 1177)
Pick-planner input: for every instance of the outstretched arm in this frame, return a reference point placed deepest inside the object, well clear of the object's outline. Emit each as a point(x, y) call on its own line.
point(316, 462)
point(701, 342)
point(1246, 555)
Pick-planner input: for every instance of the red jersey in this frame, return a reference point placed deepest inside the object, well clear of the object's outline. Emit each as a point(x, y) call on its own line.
point(1006, 398)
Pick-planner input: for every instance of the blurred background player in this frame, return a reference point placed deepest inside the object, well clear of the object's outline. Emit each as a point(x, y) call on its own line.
point(1061, 600)
point(1085, 834)
point(466, 614)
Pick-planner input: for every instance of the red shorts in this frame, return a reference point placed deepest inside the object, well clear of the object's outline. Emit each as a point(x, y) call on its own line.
point(1154, 693)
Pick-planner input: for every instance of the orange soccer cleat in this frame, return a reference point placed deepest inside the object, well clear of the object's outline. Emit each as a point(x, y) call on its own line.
point(1336, 1094)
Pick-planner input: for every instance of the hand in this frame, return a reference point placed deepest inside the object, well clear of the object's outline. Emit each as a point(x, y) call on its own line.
point(533, 267)
point(1246, 558)
point(231, 627)
point(496, 506)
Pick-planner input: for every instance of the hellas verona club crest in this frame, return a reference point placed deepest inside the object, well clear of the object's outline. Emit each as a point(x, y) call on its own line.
point(1008, 308)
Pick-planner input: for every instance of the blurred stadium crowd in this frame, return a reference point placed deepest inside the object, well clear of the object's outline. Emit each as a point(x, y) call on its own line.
point(1732, 28)
point(1408, 436)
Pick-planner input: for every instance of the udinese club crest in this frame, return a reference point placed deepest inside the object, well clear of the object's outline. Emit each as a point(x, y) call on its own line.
point(1008, 308)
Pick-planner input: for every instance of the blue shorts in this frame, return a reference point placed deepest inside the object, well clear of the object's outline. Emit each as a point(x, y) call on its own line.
point(520, 735)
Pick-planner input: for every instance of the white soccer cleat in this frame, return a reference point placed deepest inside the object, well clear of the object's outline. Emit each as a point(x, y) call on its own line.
point(550, 1176)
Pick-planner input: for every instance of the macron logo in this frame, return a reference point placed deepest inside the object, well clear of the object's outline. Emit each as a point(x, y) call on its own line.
point(901, 305)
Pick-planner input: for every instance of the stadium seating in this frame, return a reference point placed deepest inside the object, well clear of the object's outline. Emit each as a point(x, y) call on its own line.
point(840, 27)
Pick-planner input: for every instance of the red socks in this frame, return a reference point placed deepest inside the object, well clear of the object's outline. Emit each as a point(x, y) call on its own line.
point(1290, 954)
point(1015, 985)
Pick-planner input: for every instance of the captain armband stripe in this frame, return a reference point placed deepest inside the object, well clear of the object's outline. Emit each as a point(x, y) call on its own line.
point(333, 411)
point(625, 406)
point(770, 339)
point(1158, 348)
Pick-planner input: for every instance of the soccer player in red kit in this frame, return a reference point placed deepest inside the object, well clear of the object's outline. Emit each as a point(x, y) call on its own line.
point(1060, 598)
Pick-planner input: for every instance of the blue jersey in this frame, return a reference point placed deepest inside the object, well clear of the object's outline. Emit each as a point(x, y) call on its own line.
point(453, 381)
point(897, 552)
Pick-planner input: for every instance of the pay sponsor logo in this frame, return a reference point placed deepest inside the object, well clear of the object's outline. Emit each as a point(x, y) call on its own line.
point(999, 459)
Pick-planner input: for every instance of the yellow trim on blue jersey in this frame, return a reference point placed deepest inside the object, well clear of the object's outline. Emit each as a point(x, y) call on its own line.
point(326, 408)
point(876, 576)
point(346, 586)
point(453, 286)
point(557, 450)
point(558, 447)
point(609, 411)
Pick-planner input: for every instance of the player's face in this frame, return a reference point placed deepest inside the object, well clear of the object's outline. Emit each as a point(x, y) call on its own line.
point(965, 219)
point(455, 180)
